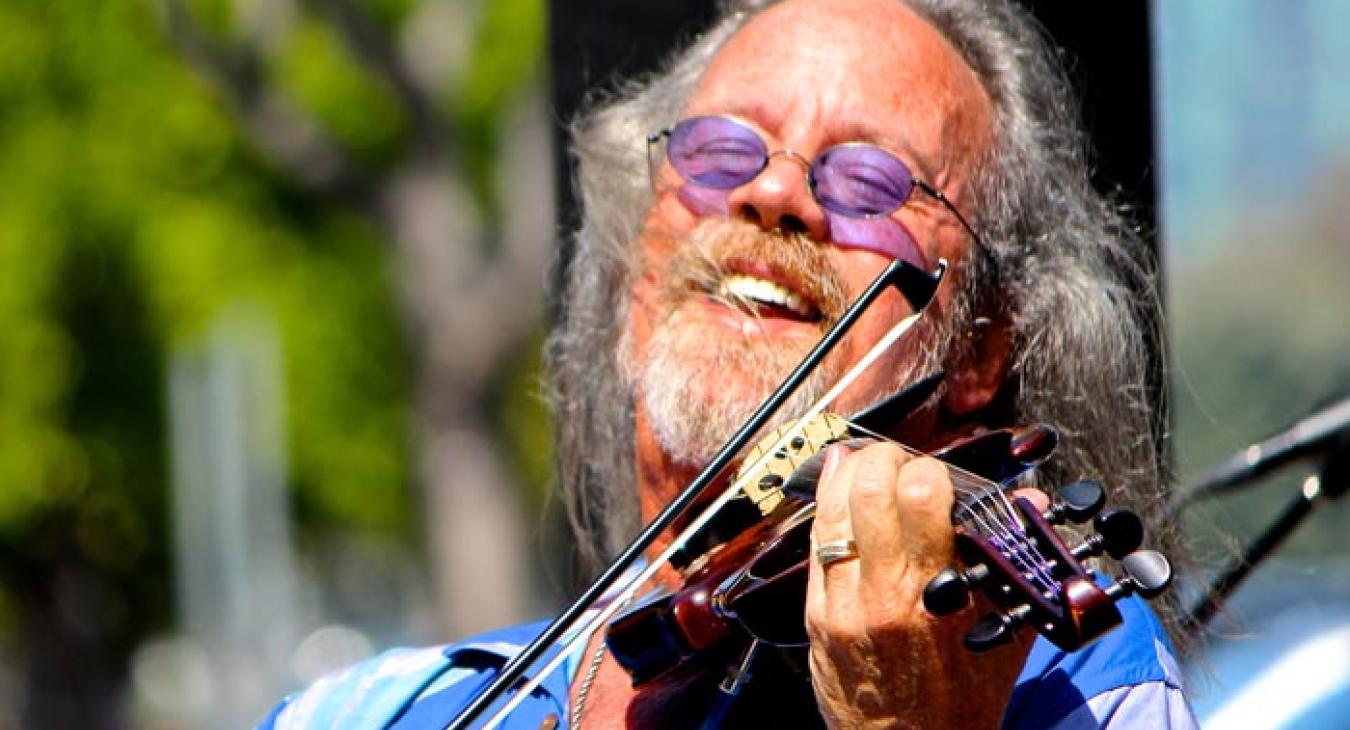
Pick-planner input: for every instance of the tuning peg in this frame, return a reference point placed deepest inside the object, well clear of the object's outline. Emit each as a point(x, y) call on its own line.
point(996, 629)
point(1119, 533)
point(1076, 502)
point(1147, 572)
point(949, 591)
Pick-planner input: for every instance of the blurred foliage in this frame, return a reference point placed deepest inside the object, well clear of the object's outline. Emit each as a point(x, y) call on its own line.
point(134, 210)
point(345, 98)
point(131, 197)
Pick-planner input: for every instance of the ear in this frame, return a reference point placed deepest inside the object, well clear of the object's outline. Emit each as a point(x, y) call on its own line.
point(975, 382)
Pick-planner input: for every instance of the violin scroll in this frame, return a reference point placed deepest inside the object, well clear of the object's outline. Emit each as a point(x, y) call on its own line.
point(1021, 564)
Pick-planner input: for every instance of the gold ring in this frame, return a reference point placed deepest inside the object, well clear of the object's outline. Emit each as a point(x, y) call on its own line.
point(834, 552)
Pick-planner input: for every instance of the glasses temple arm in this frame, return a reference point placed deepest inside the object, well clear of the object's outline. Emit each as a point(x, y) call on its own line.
point(979, 242)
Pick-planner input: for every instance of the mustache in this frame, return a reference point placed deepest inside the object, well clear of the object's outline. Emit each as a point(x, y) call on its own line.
point(719, 247)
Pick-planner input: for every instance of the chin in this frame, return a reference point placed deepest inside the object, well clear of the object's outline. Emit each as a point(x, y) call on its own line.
point(702, 379)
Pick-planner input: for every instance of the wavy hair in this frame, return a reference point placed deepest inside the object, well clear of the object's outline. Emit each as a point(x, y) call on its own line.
point(1076, 282)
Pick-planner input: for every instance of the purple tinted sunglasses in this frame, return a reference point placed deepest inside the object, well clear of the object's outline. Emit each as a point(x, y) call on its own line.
point(854, 179)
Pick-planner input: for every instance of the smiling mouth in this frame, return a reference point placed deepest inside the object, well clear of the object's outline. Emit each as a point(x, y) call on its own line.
point(765, 298)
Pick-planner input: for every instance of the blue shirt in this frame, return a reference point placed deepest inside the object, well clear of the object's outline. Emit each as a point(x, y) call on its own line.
point(1127, 679)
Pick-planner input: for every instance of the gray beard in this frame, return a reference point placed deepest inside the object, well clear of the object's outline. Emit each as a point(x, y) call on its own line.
point(696, 391)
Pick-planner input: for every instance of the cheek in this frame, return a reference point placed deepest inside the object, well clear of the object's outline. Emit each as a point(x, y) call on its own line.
point(678, 208)
point(700, 201)
point(886, 236)
point(858, 269)
point(661, 234)
point(931, 231)
point(889, 309)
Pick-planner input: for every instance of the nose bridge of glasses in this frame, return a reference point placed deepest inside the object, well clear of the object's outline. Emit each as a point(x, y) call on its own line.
point(793, 156)
point(788, 153)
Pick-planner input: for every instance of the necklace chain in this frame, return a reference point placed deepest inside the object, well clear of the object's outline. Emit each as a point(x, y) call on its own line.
point(592, 669)
point(585, 689)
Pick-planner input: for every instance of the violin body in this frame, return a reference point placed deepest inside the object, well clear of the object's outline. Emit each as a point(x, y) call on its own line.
point(778, 695)
point(729, 648)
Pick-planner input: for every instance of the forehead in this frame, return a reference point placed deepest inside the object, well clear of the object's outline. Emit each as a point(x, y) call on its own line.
point(848, 69)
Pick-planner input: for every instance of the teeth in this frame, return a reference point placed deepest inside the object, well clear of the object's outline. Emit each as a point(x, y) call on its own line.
point(749, 287)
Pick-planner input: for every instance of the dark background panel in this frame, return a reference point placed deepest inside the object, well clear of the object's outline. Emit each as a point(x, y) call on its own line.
point(1109, 56)
point(595, 43)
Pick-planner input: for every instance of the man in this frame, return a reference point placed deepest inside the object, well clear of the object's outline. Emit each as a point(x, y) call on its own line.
point(810, 143)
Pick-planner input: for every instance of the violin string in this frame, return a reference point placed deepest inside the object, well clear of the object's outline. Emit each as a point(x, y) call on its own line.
point(1009, 537)
point(997, 520)
point(987, 521)
point(961, 482)
point(1013, 539)
point(1040, 561)
point(987, 527)
point(992, 497)
point(965, 483)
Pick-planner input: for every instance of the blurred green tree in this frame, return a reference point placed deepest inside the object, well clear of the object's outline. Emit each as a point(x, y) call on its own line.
point(336, 163)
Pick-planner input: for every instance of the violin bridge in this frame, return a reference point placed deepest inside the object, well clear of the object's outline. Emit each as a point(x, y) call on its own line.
point(764, 486)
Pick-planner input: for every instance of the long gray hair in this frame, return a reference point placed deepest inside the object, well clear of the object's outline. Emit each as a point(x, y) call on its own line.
point(1075, 280)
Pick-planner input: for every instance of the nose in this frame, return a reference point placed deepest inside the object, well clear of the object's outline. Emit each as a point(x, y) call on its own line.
point(779, 198)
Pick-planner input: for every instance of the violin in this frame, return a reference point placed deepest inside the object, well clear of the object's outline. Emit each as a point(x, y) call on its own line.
point(740, 610)
point(728, 647)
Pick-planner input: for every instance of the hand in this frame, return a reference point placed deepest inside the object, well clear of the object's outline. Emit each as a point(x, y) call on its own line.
point(878, 658)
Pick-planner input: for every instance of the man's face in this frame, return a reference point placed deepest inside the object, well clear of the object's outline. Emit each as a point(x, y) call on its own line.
point(734, 287)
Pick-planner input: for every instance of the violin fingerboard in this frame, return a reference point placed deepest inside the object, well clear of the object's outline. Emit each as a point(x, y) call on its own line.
point(764, 485)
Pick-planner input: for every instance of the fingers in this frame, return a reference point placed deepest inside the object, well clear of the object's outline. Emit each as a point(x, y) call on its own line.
point(1035, 496)
point(895, 507)
point(924, 499)
point(833, 524)
point(874, 510)
point(821, 529)
point(876, 654)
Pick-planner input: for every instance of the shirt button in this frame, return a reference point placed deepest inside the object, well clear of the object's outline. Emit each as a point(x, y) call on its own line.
point(550, 722)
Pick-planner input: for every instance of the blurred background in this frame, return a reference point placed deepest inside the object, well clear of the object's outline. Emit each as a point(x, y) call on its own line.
point(274, 275)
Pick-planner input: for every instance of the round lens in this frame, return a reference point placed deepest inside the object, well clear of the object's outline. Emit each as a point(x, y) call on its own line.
point(716, 152)
point(860, 180)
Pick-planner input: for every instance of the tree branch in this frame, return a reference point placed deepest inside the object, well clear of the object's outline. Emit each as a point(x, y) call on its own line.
point(358, 31)
point(294, 144)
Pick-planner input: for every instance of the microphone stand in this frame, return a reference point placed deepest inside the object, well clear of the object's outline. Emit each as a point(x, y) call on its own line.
point(1326, 434)
point(1312, 435)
